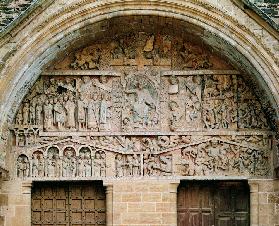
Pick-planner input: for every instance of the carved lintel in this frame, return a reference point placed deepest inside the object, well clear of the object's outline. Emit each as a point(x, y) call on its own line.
point(200, 72)
point(81, 73)
point(186, 132)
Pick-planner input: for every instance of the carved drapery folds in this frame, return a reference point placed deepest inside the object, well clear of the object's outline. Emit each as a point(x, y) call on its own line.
point(135, 116)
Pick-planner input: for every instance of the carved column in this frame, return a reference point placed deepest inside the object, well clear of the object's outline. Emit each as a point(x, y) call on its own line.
point(26, 193)
point(173, 192)
point(254, 203)
point(109, 204)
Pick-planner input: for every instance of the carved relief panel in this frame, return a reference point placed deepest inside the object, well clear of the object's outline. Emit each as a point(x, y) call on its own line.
point(123, 109)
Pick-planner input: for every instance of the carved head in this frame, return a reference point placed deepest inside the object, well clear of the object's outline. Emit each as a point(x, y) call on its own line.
point(95, 96)
point(173, 80)
point(140, 84)
point(118, 157)
point(25, 104)
point(97, 155)
point(103, 79)
point(86, 79)
point(214, 143)
point(52, 81)
point(173, 105)
point(68, 80)
point(81, 154)
point(69, 153)
point(87, 155)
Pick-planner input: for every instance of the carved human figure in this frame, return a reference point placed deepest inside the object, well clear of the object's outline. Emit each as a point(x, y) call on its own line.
point(19, 117)
point(85, 87)
point(93, 112)
point(150, 145)
point(37, 165)
point(39, 110)
point(59, 113)
point(67, 84)
point(149, 165)
point(25, 113)
point(50, 165)
point(103, 84)
point(48, 114)
point(136, 165)
point(51, 90)
point(187, 161)
point(69, 163)
point(142, 105)
point(209, 116)
point(87, 164)
point(174, 85)
point(119, 166)
point(81, 165)
point(175, 116)
point(261, 164)
point(53, 163)
point(99, 164)
point(105, 114)
point(23, 167)
point(32, 112)
point(214, 153)
point(70, 107)
point(192, 110)
point(166, 165)
point(57, 162)
point(82, 112)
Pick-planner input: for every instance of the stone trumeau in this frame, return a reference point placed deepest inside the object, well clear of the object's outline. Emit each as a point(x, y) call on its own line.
point(109, 109)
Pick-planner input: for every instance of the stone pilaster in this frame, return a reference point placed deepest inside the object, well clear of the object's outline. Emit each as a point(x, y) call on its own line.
point(109, 204)
point(254, 203)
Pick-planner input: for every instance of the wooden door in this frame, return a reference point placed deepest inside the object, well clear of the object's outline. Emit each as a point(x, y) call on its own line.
point(231, 204)
point(212, 203)
point(68, 204)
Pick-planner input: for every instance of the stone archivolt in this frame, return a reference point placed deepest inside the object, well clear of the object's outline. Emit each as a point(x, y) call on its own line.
point(154, 106)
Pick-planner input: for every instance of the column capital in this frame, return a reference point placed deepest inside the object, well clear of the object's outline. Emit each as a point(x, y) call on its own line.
point(173, 186)
point(254, 186)
point(26, 187)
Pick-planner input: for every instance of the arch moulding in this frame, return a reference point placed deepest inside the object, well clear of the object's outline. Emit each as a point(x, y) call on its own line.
point(41, 38)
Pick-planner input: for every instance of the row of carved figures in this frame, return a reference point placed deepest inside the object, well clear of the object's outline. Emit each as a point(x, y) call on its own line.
point(85, 166)
point(69, 165)
point(66, 112)
point(208, 158)
point(90, 104)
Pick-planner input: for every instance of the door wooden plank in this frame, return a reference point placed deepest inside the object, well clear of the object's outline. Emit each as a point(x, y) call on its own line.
point(68, 204)
point(213, 203)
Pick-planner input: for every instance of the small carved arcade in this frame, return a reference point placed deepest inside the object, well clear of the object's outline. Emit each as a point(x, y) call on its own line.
point(148, 109)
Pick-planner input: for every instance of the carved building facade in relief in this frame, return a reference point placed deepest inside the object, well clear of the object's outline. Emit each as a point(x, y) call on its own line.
point(141, 105)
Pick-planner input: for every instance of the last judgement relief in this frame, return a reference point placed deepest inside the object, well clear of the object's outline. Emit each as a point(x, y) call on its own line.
point(141, 105)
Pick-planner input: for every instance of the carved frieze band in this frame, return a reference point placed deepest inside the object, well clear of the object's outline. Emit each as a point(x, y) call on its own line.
point(135, 156)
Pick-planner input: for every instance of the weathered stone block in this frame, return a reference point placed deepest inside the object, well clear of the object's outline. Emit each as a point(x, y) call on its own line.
point(131, 197)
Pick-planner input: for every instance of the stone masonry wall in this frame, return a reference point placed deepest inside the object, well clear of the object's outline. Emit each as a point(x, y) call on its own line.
point(15, 204)
point(266, 194)
point(141, 203)
point(144, 203)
